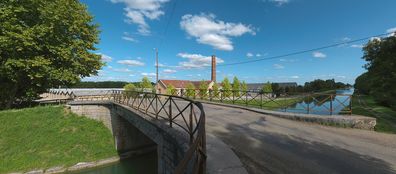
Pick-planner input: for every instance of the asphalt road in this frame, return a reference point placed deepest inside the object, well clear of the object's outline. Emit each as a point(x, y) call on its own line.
point(267, 144)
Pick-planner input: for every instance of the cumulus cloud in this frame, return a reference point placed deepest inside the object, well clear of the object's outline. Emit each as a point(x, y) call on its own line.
point(148, 74)
point(392, 31)
point(169, 71)
point(294, 77)
point(207, 30)
point(196, 60)
point(318, 54)
point(105, 58)
point(137, 11)
point(278, 66)
point(249, 54)
point(131, 62)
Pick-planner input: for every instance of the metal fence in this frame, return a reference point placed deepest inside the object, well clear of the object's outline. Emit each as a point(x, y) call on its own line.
point(308, 103)
point(177, 112)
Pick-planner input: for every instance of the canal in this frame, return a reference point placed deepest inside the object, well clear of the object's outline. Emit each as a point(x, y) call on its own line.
point(146, 164)
point(322, 104)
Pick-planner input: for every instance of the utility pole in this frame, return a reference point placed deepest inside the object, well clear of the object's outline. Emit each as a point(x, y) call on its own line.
point(156, 66)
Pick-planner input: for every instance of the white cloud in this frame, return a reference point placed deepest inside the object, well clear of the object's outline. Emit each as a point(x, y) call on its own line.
point(258, 55)
point(280, 2)
point(196, 60)
point(148, 74)
point(169, 71)
point(128, 37)
point(137, 11)
point(294, 77)
point(318, 54)
point(207, 30)
point(131, 62)
point(391, 30)
point(278, 66)
point(122, 70)
point(346, 39)
point(357, 46)
point(249, 54)
point(105, 58)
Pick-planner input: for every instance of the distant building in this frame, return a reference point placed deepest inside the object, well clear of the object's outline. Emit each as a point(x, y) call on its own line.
point(181, 85)
point(259, 86)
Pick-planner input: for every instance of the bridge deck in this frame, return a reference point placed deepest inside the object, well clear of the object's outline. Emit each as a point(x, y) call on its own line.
point(268, 144)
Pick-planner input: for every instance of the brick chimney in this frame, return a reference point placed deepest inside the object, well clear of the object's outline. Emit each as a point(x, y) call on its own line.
point(213, 68)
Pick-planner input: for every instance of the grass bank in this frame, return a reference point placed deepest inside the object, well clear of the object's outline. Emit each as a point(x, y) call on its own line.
point(43, 137)
point(386, 117)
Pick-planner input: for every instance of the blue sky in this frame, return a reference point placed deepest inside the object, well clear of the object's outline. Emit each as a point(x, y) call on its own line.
point(186, 33)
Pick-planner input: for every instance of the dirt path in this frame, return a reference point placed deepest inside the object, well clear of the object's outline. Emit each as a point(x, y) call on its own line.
point(268, 144)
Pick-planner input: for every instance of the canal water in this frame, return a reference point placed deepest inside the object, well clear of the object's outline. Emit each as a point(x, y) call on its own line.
point(143, 164)
point(321, 106)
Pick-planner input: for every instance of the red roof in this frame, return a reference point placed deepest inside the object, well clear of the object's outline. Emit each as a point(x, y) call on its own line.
point(181, 83)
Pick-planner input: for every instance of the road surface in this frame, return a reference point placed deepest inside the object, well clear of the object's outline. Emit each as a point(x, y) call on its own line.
point(267, 144)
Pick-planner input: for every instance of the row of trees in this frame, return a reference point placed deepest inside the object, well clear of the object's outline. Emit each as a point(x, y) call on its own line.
point(144, 85)
point(380, 79)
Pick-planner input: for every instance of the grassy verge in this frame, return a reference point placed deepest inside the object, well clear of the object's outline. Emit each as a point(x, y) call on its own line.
point(386, 117)
point(44, 137)
point(266, 104)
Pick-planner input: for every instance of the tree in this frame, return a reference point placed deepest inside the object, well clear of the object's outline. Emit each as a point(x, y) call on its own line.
point(215, 90)
point(190, 90)
point(267, 88)
point(381, 70)
point(146, 85)
point(170, 90)
point(129, 87)
point(226, 87)
point(203, 89)
point(236, 86)
point(44, 44)
point(244, 86)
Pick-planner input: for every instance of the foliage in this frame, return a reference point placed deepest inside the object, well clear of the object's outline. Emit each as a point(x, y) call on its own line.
point(129, 87)
point(203, 89)
point(236, 86)
point(226, 87)
point(44, 44)
point(323, 85)
point(215, 90)
point(146, 84)
point(170, 90)
point(44, 137)
point(244, 86)
point(190, 90)
point(267, 88)
point(380, 79)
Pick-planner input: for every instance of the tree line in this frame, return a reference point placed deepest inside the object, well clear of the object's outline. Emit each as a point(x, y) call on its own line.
point(380, 79)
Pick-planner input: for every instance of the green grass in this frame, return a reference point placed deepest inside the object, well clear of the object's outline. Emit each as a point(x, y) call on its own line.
point(43, 137)
point(266, 104)
point(386, 117)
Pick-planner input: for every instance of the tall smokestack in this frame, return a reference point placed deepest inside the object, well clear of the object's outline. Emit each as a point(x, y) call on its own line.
point(213, 68)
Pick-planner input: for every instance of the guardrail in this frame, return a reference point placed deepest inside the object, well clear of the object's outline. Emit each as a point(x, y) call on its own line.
point(176, 111)
point(308, 103)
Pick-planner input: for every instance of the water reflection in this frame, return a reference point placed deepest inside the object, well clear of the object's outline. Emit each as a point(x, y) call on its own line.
point(321, 104)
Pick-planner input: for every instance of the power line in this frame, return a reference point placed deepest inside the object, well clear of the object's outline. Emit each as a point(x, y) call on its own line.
point(304, 51)
point(168, 23)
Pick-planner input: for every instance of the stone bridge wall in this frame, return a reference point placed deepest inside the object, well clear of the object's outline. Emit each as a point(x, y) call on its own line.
point(134, 131)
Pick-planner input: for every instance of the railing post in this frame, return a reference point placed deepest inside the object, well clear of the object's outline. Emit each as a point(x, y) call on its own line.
point(246, 94)
point(331, 104)
point(190, 127)
point(233, 97)
point(350, 104)
point(221, 96)
point(261, 100)
point(210, 94)
point(156, 106)
point(170, 111)
point(308, 106)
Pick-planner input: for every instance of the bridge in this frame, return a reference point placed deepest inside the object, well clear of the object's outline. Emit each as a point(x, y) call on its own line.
point(266, 143)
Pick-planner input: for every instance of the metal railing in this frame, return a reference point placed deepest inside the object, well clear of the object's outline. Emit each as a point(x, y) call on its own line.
point(308, 103)
point(177, 112)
